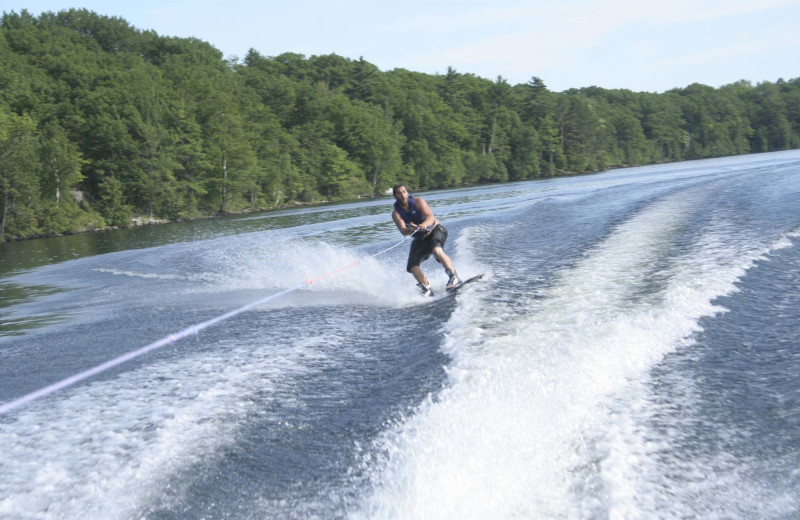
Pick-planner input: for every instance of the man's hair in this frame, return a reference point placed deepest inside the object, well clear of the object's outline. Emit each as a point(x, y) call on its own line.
point(397, 187)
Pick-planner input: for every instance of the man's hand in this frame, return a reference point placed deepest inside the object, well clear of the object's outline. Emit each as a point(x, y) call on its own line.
point(418, 230)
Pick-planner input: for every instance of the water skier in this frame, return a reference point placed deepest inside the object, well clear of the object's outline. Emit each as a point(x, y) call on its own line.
point(413, 216)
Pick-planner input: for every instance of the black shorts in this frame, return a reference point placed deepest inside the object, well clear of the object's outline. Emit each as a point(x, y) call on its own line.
point(421, 248)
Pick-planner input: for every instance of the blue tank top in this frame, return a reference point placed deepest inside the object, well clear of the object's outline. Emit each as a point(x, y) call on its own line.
point(412, 215)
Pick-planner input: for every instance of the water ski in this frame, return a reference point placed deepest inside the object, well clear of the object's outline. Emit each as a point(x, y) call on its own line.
point(465, 282)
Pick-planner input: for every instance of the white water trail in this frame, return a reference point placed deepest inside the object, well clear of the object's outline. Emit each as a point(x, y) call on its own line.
point(506, 438)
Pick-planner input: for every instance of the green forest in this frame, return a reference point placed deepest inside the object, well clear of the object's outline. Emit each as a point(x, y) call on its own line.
point(106, 125)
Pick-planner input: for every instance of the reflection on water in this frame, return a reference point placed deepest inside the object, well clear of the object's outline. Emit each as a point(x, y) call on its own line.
point(17, 323)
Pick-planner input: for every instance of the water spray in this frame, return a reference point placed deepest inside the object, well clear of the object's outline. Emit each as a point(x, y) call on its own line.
point(174, 338)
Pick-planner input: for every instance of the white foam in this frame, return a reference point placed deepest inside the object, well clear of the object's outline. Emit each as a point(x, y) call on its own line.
point(230, 272)
point(633, 464)
point(113, 448)
point(334, 274)
point(154, 276)
point(509, 434)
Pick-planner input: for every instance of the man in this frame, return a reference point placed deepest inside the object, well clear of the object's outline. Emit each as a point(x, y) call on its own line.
point(413, 216)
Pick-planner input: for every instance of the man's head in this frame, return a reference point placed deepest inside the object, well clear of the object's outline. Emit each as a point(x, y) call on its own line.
point(400, 193)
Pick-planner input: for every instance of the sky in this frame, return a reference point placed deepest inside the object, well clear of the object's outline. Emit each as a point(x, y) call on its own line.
point(640, 45)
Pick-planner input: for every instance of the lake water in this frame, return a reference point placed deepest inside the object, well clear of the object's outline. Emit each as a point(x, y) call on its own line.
point(632, 352)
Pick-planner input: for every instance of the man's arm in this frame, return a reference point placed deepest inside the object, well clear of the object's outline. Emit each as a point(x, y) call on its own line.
point(398, 221)
point(428, 220)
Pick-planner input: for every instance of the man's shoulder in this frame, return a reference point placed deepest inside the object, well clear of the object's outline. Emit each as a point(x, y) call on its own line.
point(422, 204)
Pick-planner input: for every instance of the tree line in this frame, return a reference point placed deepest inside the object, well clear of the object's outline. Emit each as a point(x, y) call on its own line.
point(102, 123)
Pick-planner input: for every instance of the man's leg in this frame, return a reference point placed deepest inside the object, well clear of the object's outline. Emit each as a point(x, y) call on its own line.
point(442, 258)
point(419, 275)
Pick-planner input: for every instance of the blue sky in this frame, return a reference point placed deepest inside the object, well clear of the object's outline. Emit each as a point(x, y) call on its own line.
point(639, 45)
